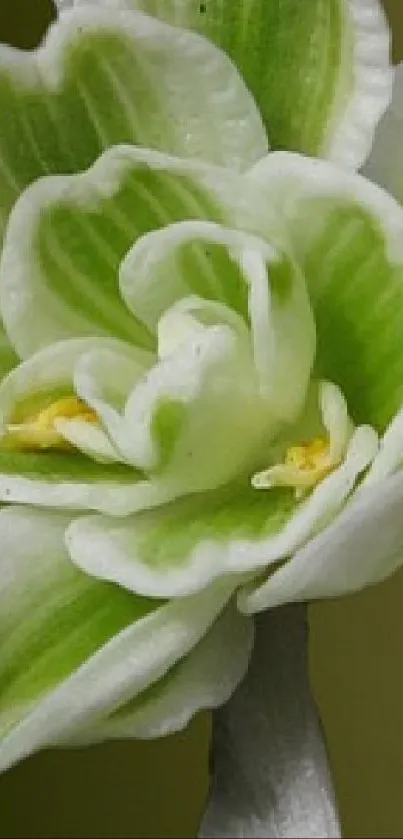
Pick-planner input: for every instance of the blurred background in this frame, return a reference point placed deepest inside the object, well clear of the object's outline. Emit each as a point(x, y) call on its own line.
point(157, 789)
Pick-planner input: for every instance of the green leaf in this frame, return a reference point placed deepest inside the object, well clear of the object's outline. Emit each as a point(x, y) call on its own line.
point(73, 649)
point(67, 236)
point(319, 70)
point(347, 236)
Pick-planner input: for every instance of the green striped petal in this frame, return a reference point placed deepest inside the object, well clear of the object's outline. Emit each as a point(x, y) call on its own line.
point(74, 650)
point(385, 163)
point(182, 548)
point(204, 679)
point(319, 70)
point(347, 236)
point(146, 71)
point(67, 236)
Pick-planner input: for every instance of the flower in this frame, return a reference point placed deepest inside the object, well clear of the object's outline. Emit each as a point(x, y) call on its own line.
point(200, 405)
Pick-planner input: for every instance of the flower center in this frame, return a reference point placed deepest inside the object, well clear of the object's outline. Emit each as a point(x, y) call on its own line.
point(40, 430)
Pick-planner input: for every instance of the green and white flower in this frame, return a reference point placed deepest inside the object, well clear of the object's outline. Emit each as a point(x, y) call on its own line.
point(202, 367)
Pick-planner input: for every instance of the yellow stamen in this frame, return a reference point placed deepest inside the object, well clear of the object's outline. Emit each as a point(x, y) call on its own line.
point(311, 457)
point(38, 432)
point(303, 467)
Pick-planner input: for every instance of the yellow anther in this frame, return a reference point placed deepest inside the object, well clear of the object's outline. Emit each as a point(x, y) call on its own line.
point(310, 457)
point(39, 432)
point(303, 467)
point(68, 408)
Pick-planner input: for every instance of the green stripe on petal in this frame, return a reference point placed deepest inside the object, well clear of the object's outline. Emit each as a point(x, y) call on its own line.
point(67, 237)
point(347, 236)
point(74, 650)
point(181, 548)
point(147, 73)
point(319, 69)
point(206, 678)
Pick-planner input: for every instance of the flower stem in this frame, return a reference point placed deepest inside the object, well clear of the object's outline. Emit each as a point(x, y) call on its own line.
point(271, 774)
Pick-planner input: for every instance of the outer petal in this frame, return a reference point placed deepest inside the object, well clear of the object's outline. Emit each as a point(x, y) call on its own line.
point(363, 546)
point(206, 678)
point(74, 650)
point(67, 236)
point(147, 73)
point(347, 235)
point(320, 73)
point(385, 163)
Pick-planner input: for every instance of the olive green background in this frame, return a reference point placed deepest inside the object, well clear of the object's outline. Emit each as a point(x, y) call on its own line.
point(157, 789)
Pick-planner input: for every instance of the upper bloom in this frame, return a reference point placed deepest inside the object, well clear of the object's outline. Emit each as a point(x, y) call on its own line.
point(202, 370)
